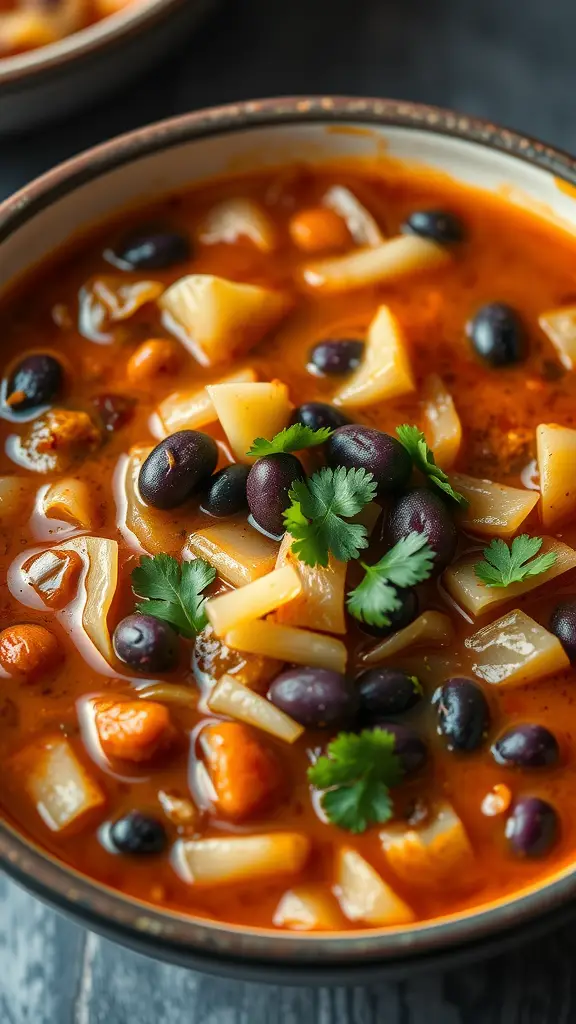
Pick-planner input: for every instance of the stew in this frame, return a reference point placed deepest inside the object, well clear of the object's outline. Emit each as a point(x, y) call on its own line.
point(29, 24)
point(287, 523)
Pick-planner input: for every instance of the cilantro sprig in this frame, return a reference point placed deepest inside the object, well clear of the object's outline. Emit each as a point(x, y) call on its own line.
point(356, 776)
point(504, 565)
point(291, 439)
point(318, 518)
point(413, 440)
point(173, 592)
point(409, 562)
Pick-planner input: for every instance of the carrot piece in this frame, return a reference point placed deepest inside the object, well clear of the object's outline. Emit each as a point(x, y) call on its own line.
point(244, 772)
point(319, 229)
point(28, 650)
point(133, 730)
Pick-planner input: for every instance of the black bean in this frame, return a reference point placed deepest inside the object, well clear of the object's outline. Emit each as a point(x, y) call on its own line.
point(137, 833)
point(146, 643)
point(336, 358)
point(401, 617)
point(37, 380)
point(532, 827)
point(358, 447)
point(463, 715)
point(152, 249)
point(386, 691)
point(409, 747)
point(269, 481)
point(438, 225)
point(225, 494)
point(319, 414)
point(423, 511)
point(316, 697)
point(177, 467)
point(498, 335)
point(563, 625)
point(526, 746)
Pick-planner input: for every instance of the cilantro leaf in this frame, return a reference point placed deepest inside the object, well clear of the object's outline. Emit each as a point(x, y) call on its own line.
point(316, 519)
point(173, 592)
point(356, 774)
point(410, 561)
point(291, 439)
point(504, 565)
point(413, 440)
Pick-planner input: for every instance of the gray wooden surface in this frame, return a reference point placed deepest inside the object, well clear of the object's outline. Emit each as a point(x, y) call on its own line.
point(505, 59)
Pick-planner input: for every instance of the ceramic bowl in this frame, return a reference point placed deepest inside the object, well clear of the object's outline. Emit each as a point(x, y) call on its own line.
point(171, 155)
point(56, 80)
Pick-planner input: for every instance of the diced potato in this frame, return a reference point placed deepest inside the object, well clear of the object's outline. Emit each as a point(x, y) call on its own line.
point(57, 782)
point(70, 499)
point(248, 411)
point(431, 629)
point(289, 644)
point(321, 603)
point(397, 258)
point(234, 219)
point(308, 909)
point(365, 896)
point(559, 325)
point(430, 855)
point(191, 410)
point(101, 556)
point(385, 370)
point(464, 586)
point(514, 650)
point(442, 425)
point(361, 224)
point(254, 600)
point(244, 772)
point(16, 499)
point(494, 510)
point(217, 319)
point(556, 452)
point(238, 552)
point(231, 698)
point(241, 858)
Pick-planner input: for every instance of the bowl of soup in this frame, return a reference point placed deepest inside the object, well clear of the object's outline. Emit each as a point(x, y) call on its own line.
point(287, 537)
point(59, 55)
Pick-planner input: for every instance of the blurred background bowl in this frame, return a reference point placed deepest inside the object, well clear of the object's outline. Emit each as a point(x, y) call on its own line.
point(55, 80)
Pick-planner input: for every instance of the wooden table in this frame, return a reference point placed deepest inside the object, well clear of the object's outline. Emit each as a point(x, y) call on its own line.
point(510, 62)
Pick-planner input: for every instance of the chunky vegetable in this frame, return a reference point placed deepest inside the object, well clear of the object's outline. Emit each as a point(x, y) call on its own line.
point(556, 451)
point(70, 499)
point(559, 325)
point(236, 220)
point(390, 261)
point(194, 409)
point(229, 859)
point(365, 896)
point(254, 600)
point(492, 510)
point(300, 646)
point(443, 428)
point(431, 629)
point(385, 370)
point(308, 909)
point(248, 411)
point(431, 855)
point(238, 553)
point(515, 650)
point(245, 773)
point(231, 698)
point(57, 782)
point(321, 601)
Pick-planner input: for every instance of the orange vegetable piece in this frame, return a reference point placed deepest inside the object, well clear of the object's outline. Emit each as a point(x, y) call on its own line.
point(133, 730)
point(244, 772)
point(28, 650)
point(152, 357)
point(319, 230)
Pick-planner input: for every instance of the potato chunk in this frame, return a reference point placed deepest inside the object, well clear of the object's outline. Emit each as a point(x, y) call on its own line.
point(244, 772)
point(428, 856)
point(254, 600)
point(471, 594)
point(494, 510)
point(191, 410)
point(57, 782)
point(385, 370)
point(308, 909)
point(559, 325)
point(71, 500)
point(232, 698)
point(514, 650)
point(237, 551)
point(248, 411)
point(556, 452)
point(442, 425)
point(300, 646)
point(431, 629)
point(365, 896)
point(321, 602)
point(397, 258)
point(241, 858)
point(217, 319)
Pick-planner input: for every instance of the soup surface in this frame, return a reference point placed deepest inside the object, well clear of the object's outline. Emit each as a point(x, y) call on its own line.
point(28, 24)
point(175, 667)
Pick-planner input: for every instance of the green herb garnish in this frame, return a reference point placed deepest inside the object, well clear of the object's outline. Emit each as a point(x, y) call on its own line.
point(505, 565)
point(174, 591)
point(409, 562)
point(413, 440)
point(291, 439)
point(318, 517)
point(357, 774)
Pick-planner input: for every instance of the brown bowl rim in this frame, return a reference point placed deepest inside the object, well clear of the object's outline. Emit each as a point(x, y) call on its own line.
point(169, 934)
point(34, 66)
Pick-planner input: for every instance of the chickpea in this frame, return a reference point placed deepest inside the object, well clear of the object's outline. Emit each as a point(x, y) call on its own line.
point(28, 650)
point(318, 229)
point(157, 355)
